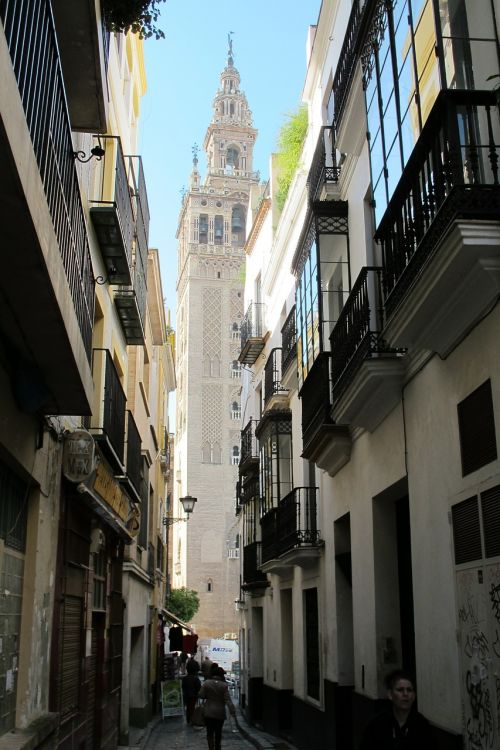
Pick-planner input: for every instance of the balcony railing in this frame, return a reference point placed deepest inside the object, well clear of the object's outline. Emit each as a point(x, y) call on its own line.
point(297, 522)
point(32, 44)
point(136, 171)
point(250, 490)
point(451, 174)
point(269, 528)
point(134, 457)
point(293, 524)
point(112, 212)
point(130, 304)
point(272, 376)
point(347, 58)
point(357, 333)
point(107, 422)
point(249, 451)
point(252, 333)
point(253, 577)
point(316, 396)
point(289, 342)
point(323, 168)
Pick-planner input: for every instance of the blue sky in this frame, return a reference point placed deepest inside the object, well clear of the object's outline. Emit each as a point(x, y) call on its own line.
point(269, 44)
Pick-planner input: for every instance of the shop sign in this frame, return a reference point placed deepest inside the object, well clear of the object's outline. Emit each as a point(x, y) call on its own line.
point(108, 488)
point(78, 456)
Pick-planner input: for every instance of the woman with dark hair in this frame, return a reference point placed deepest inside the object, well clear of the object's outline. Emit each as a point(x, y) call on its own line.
point(216, 694)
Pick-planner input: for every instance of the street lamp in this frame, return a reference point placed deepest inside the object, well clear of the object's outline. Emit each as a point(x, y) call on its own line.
point(187, 503)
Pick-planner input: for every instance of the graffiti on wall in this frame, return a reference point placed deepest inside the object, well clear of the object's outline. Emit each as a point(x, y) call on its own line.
point(479, 630)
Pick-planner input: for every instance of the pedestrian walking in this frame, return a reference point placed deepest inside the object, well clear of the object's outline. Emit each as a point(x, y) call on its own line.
point(216, 694)
point(400, 727)
point(190, 688)
point(206, 667)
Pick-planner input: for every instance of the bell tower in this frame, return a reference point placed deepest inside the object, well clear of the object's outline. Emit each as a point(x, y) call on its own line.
point(210, 279)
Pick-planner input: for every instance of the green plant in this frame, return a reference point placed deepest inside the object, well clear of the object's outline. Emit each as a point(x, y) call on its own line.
point(138, 16)
point(290, 141)
point(183, 603)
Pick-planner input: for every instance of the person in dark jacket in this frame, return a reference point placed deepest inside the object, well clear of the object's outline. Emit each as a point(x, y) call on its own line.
point(400, 727)
point(216, 694)
point(190, 688)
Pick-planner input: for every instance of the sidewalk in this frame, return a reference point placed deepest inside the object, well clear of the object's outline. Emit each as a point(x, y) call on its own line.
point(174, 734)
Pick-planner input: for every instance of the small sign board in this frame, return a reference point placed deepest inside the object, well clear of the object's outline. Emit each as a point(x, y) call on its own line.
point(171, 698)
point(78, 456)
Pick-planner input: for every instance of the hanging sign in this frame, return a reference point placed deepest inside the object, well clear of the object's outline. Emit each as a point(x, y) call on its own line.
point(78, 456)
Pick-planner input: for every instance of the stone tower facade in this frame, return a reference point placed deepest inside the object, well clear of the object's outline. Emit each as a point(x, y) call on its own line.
point(210, 282)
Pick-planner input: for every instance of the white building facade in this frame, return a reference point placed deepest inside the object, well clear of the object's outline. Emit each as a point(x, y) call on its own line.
point(369, 475)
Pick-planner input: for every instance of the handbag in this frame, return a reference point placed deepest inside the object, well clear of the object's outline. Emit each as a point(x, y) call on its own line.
point(198, 716)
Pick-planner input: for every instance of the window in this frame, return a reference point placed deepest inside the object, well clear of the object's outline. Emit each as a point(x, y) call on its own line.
point(235, 410)
point(235, 455)
point(323, 284)
point(203, 229)
point(210, 586)
point(235, 331)
point(476, 527)
point(476, 425)
point(238, 222)
point(218, 230)
point(235, 369)
point(275, 446)
point(232, 157)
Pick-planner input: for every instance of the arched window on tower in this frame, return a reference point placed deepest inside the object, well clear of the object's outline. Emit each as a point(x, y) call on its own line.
point(235, 455)
point(203, 229)
point(210, 585)
point(238, 224)
point(219, 230)
point(233, 157)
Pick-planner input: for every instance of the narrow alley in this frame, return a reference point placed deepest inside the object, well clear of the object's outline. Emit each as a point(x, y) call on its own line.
point(172, 733)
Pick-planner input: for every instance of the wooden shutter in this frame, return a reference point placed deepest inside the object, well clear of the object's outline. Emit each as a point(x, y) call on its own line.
point(490, 504)
point(70, 653)
point(466, 531)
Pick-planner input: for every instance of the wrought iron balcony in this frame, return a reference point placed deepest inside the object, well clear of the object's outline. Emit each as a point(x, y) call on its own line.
point(274, 392)
point(130, 302)
point(249, 453)
point(348, 57)
point(326, 444)
point(141, 207)
point(132, 479)
point(30, 39)
point(253, 577)
point(289, 343)
point(84, 60)
point(452, 175)
point(112, 212)
point(252, 333)
point(250, 490)
point(324, 170)
point(269, 529)
point(362, 361)
point(238, 503)
point(290, 535)
point(297, 519)
point(107, 422)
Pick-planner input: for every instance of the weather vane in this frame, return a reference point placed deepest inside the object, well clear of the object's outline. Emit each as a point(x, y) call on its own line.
point(230, 43)
point(194, 150)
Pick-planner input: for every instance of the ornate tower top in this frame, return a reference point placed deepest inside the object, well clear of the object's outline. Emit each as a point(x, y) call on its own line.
point(230, 104)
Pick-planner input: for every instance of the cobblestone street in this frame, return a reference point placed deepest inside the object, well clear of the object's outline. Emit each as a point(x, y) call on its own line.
point(174, 734)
